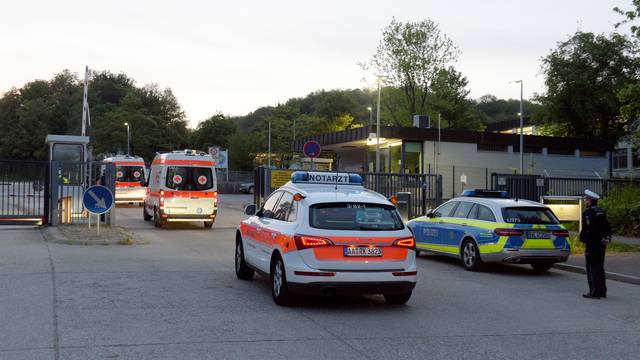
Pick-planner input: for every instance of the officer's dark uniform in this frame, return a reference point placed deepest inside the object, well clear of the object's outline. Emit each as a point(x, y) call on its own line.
point(595, 228)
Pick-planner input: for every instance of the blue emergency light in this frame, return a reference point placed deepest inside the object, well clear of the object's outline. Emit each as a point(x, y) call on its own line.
point(333, 178)
point(485, 193)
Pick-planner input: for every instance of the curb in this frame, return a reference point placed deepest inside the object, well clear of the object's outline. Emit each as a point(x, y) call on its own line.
point(53, 235)
point(629, 279)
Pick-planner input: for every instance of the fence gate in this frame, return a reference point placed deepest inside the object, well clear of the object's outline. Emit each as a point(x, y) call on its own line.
point(529, 187)
point(24, 192)
point(425, 190)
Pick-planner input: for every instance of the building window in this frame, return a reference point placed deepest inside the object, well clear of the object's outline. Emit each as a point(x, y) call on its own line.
point(635, 158)
point(528, 149)
point(556, 151)
point(588, 153)
point(619, 159)
point(493, 147)
point(413, 158)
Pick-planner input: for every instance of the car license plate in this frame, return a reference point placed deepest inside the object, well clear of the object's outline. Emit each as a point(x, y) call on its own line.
point(365, 251)
point(538, 235)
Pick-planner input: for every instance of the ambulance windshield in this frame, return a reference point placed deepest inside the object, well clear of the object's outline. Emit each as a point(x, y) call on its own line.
point(355, 216)
point(189, 178)
point(129, 173)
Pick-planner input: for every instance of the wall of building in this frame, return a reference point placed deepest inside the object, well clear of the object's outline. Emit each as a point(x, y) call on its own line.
point(351, 159)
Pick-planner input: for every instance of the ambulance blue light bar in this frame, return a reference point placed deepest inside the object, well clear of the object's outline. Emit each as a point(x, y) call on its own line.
point(309, 177)
point(485, 193)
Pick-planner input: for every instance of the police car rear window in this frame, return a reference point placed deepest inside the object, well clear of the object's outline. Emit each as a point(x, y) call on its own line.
point(354, 216)
point(528, 215)
point(189, 178)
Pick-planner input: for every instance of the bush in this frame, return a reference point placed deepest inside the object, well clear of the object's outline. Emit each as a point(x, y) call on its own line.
point(623, 210)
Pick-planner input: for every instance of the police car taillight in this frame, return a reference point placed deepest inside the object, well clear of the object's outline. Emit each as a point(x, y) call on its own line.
point(560, 233)
point(306, 242)
point(408, 242)
point(508, 232)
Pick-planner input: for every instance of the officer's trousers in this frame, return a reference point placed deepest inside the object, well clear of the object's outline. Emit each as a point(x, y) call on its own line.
point(595, 273)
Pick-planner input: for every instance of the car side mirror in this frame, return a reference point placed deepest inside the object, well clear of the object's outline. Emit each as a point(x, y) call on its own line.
point(251, 210)
point(431, 214)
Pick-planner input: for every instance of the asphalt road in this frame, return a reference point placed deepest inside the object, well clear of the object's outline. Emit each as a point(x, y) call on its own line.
point(178, 298)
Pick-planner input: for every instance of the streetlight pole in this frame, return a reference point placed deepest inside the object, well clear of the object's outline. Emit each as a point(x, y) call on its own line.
point(521, 130)
point(370, 115)
point(128, 139)
point(378, 129)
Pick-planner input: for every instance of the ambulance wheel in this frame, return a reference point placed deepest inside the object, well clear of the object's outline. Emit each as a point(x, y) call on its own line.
point(208, 224)
point(397, 299)
point(243, 271)
point(541, 267)
point(145, 215)
point(470, 255)
point(279, 289)
point(157, 222)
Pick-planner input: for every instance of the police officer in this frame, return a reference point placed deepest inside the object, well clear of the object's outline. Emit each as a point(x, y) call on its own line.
point(595, 234)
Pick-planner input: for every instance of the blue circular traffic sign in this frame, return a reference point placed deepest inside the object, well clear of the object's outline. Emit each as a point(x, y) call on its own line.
point(97, 199)
point(311, 149)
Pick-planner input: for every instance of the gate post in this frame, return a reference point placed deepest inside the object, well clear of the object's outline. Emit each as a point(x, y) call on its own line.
point(110, 183)
point(54, 175)
point(438, 189)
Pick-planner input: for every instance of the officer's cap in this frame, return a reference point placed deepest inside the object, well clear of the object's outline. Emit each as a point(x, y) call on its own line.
point(590, 194)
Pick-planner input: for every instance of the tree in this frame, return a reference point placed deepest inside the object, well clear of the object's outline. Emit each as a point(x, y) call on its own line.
point(583, 77)
point(630, 94)
point(216, 130)
point(629, 17)
point(450, 100)
point(409, 56)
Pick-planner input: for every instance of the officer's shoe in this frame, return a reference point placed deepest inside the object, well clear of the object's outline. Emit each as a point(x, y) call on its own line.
point(590, 296)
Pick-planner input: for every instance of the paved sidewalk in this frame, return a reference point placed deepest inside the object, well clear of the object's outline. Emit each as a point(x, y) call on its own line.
point(621, 263)
point(626, 240)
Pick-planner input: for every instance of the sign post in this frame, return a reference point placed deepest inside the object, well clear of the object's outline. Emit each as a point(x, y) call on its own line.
point(97, 200)
point(311, 149)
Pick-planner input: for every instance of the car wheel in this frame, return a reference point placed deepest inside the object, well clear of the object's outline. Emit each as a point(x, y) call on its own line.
point(279, 289)
point(471, 255)
point(541, 267)
point(397, 299)
point(208, 224)
point(243, 271)
point(145, 215)
point(157, 222)
point(251, 190)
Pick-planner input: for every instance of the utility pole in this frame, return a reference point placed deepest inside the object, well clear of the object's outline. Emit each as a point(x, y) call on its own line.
point(128, 139)
point(378, 129)
point(370, 115)
point(269, 154)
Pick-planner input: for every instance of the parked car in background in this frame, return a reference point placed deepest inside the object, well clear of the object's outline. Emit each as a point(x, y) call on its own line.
point(247, 188)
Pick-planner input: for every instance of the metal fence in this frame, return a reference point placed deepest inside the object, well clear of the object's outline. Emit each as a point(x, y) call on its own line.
point(533, 187)
point(24, 190)
point(425, 189)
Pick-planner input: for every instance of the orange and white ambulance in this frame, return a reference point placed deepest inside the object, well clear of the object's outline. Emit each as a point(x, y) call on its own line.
point(130, 179)
point(182, 187)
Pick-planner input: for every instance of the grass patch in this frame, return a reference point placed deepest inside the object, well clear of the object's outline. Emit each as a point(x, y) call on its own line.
point(126, 241)
point(614, 247)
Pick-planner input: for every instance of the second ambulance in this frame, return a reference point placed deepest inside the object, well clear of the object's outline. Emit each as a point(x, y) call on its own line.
point(130, 178)
point(182, 188)
point(324, 233)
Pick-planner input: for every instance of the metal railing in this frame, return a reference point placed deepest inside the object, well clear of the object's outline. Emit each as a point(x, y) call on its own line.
point(24, 189)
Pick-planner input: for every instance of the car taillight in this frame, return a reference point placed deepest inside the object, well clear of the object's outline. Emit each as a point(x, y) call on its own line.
point(161, 197)
point(508, 232)
point(215, 199)
point(306, 241)
point(408, 242)
point(560, 233)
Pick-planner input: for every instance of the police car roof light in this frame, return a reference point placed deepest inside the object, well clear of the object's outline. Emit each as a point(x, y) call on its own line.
point(485, 193)
point(330, 178)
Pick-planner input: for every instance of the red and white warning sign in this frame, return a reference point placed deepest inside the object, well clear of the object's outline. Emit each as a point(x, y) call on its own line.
point(177, 179)
point(202, 179)
point(119, 174)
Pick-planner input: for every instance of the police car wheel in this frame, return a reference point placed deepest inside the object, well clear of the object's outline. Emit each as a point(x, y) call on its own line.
point(145, 215)
point(208, 224)
point(541, 267)
point(397, 299)
point(470, 255)
point(243, 271)
point(279, 289)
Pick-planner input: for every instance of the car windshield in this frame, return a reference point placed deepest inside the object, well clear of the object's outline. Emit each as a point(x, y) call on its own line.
point(528, 215)
point(355, 216)
point(189, 178)
point(129, 173)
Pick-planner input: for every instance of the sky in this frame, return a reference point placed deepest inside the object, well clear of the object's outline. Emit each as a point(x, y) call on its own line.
point(235, 56)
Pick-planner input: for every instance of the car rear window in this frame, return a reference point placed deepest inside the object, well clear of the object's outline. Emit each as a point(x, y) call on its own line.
point(189, 178)
point(129, 173)
point(528, 215)
point(354, 216)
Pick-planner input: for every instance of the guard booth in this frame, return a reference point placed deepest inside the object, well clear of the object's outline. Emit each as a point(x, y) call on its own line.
point(72, 172)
